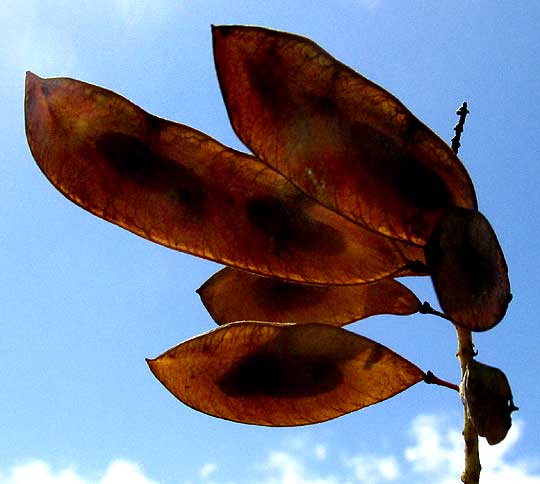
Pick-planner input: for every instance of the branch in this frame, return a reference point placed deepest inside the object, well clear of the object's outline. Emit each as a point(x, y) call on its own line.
point(458, 128)
point(471, 474)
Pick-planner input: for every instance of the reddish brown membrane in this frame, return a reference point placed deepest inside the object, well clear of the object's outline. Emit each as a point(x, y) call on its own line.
point(282, 374)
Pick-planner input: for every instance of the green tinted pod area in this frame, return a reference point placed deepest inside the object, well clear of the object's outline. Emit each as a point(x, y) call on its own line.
point(468, 269)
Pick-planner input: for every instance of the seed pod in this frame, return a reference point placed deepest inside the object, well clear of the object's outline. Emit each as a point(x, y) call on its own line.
point(468, 269)
point(487, 396)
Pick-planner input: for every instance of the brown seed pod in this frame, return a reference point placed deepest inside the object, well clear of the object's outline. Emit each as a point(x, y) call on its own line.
point(468, 269)
point(487, 396)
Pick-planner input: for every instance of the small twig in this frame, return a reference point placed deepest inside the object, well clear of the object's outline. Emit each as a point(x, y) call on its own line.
point(426, 308)
point(458, 128)
point(430, 378)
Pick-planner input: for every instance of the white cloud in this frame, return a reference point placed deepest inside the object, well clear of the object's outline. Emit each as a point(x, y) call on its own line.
point(284, 468)
point(436, 446)
point(121, 471)
point(435, 456)
point(40, 472)
point(207, 470)
point(320, 452)
point(374, 469)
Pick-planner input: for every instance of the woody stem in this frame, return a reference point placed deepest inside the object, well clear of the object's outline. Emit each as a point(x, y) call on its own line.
point(471, 474)
point(465, 353)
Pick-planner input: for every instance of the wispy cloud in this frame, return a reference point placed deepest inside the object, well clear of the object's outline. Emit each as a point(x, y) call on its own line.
point(436, 447)
point(435, 456)
point(207, 470)
point(40, 472)
point(373, 468)
point(135, 12)
point(320, 451)
point(285, 468)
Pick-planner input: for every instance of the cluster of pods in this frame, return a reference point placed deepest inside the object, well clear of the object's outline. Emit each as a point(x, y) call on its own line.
point(345, 191)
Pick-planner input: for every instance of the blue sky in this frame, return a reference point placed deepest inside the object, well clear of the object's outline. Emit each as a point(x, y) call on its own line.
point(84, 302)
